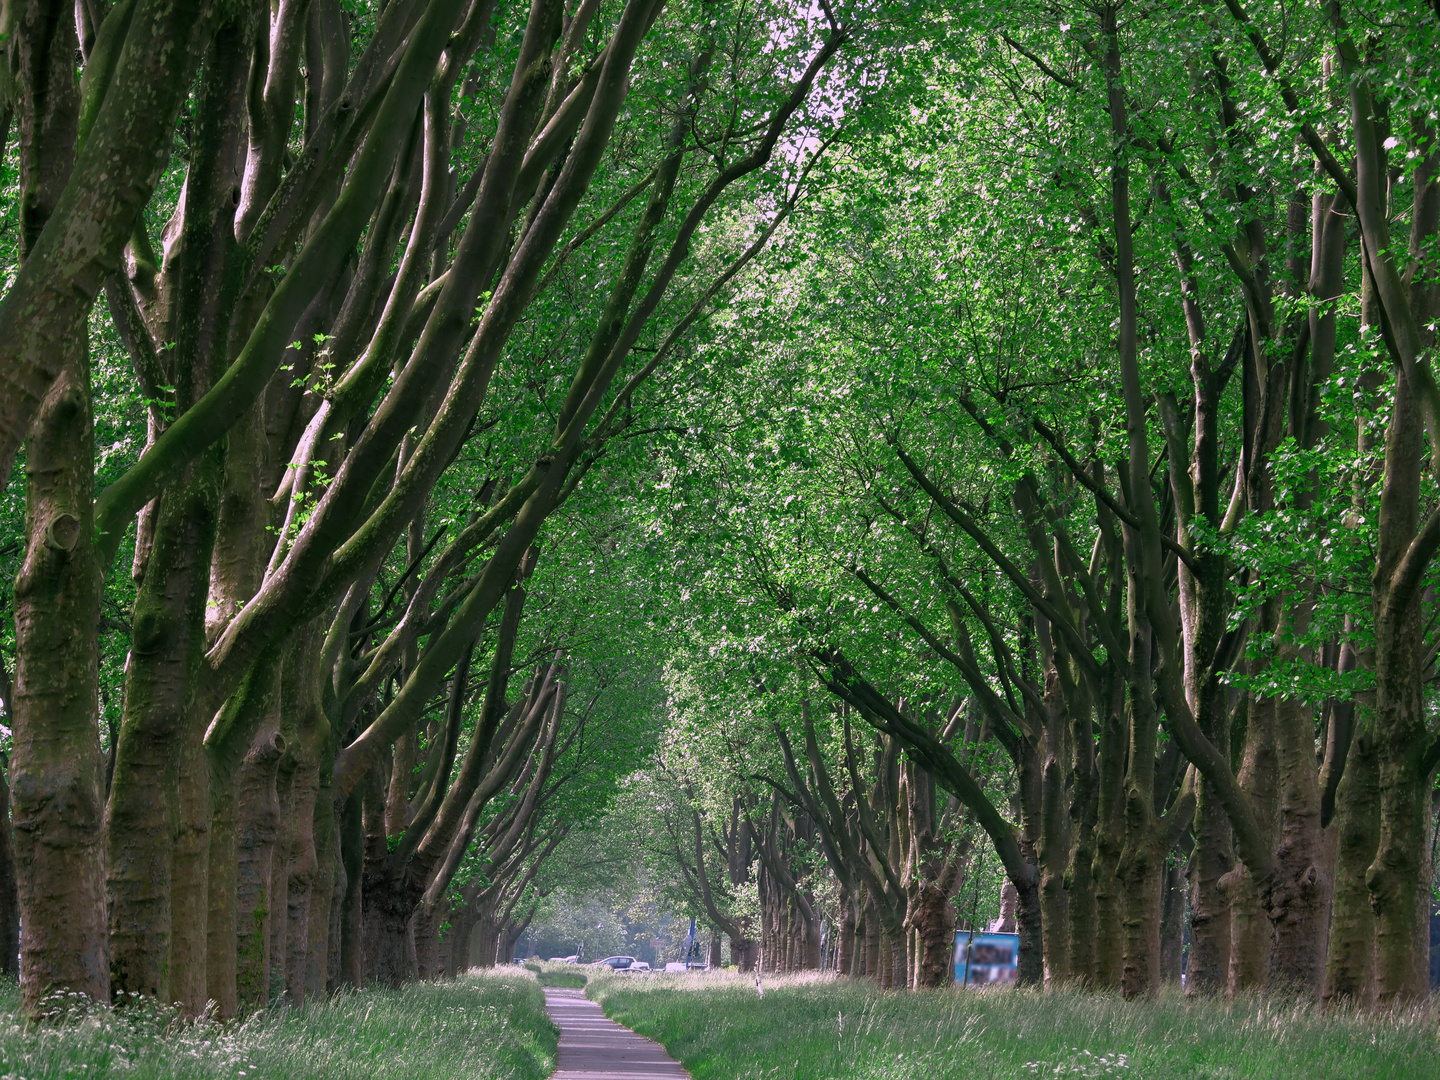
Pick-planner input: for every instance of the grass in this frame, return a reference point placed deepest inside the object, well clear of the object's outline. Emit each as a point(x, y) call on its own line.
point(809, 1028)
point(569, 976)
point(491, 1025)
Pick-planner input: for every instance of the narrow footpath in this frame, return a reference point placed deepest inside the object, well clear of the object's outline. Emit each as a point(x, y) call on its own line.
point(595, 1048)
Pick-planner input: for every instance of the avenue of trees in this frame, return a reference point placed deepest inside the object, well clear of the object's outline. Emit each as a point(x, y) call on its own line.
point(1066, 488)
point(818, 449)
point(317, 312)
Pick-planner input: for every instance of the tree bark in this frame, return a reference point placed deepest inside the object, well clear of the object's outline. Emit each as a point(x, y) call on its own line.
point(257, 832)
point(318, 956)
point(934, 918)
point(56, 767)
point(1350, 959)
point(352, 857)
point(144, 820)
point(9, 900)
point(1250, 929)
point(1301, 907)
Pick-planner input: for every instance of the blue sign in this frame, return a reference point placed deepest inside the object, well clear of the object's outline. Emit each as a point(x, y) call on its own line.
point(986, 959)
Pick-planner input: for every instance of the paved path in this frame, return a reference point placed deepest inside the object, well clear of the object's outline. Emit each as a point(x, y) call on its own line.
point(594, 1048)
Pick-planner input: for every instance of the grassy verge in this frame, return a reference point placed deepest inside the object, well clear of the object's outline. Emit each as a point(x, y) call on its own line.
point(490, 1026)
point(824, 1029)
point(570, 976)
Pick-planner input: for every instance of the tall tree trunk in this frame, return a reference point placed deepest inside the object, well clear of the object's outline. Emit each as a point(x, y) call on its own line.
point(55, 776)
point(1301, 908)
point(1250, 929)
point(352, 857)
point(934, 918)
point(190, 905)
point(427, 943)
point(1172, 921)
point(302, 875)
point(230, 769)
point(56, 766)
point(281, 857)
point(1052, 852)
point(1141, 873)
point(844, 945)
point(1029, 922)
point(1109, 844)
point(1080, 868)
point(1397, 892)
point(322, 899)
point(1350, 959)
point(9, 901)
point(387, 925)
point(258, 830)
point(144, 820)
point(1208, 964)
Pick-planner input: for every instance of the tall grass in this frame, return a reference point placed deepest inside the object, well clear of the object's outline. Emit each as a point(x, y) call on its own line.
point(552, 973)
point(491, 1025)
point(813, 1028)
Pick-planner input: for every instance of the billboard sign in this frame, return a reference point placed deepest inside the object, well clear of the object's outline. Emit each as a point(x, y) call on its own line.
point(986, 959)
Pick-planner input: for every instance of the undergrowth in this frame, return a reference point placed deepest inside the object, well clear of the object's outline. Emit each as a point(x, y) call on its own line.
point(488, 1025)
point(812, 1028)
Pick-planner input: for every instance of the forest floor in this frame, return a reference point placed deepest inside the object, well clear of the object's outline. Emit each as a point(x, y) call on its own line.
point(490, 1026)
point(820, 1028)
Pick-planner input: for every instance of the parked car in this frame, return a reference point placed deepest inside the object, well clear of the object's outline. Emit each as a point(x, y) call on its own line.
point(638, 966)
point(617, 963)
point(563, 960)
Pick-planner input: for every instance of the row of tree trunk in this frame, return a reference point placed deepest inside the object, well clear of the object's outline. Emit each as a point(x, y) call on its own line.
point(1143, 690)
point(284, 805)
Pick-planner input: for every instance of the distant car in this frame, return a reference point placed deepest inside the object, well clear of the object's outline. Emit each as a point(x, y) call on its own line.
point(617, 963)
point(562, 960)
point(638, 966)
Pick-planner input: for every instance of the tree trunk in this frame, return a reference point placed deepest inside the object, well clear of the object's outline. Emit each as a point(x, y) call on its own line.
point(1052, 851)
point(1029, 922)
point(1172, 921)
point(426, 930)
point(302, 875)
point(445, 955)
point(143, 820)
point(352, 857)
point(258, 829)
point(845, 945)
point(482, 937)
point(1208, 964)
point(388, 908)
point(56, 766)
point(1109, 844)
point(1141, 872)
point(1080, 868)
point(1398, 888)
point(1300, 910)
point(934, 918)
point(190, 906)
point(225, 935)
point(1350, 960)
point(322, 899)
point(9, 902)
point(1251, 932)
point(279, 899)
